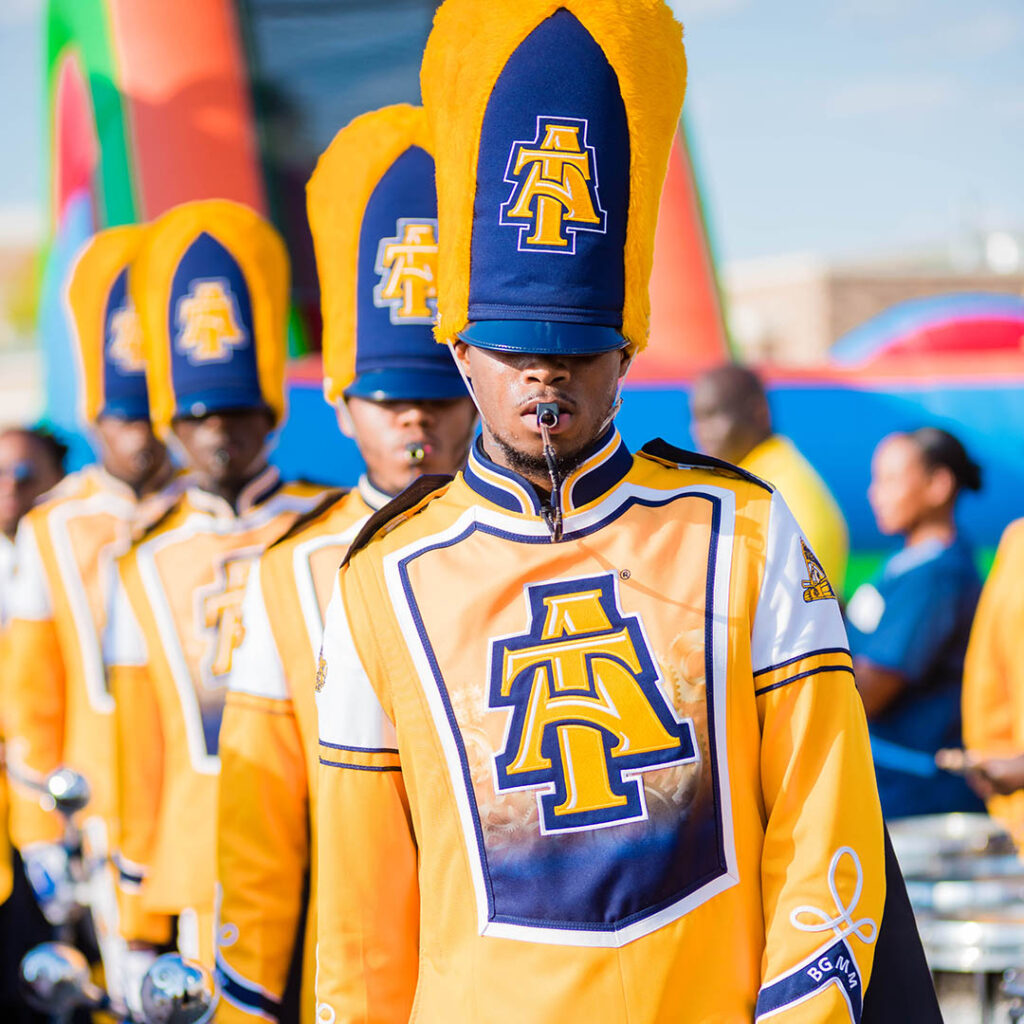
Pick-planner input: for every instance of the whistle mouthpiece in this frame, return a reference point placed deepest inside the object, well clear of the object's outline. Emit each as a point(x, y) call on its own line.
point(547, 414)
point(417, 452)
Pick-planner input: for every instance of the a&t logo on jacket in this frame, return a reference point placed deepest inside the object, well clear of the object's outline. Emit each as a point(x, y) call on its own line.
point(407, 265)
point(208, 322)
point(554, 194)
point(588, 715)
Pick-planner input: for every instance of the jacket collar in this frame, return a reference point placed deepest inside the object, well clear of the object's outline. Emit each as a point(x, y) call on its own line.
point(373, 496)
point(608, 462)
point(255, 492)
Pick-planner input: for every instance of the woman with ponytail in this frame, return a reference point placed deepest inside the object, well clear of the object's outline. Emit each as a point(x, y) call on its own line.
point(909, 627)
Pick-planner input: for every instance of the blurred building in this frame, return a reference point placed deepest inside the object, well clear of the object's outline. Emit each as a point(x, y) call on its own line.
point(791, 309)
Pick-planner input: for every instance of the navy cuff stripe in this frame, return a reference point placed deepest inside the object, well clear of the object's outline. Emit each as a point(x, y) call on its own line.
point(359, 750)
point(804, 675)
point(361, 767)
point(244, 995)
point(800, 657)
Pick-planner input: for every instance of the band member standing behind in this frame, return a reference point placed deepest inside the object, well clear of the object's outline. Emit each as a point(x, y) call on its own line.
point(993, 692)
point(373, 211)
point(909, 627)
point(211, 287)
point(61, 712)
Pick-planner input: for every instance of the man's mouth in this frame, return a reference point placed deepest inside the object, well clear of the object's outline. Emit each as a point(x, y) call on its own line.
point(528, 414)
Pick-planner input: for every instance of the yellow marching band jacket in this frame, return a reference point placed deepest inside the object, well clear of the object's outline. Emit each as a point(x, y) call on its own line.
point(624, 776)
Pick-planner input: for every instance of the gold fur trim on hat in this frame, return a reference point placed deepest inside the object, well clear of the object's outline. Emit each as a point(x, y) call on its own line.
point(466, 52)
point(92, 276)
point(260, 253)
point(336, 198)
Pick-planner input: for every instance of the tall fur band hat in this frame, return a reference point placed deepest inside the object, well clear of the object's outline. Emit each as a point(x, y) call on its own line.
point(105, 326)
point(211, 284)
point(372, 209)
point(556, 118)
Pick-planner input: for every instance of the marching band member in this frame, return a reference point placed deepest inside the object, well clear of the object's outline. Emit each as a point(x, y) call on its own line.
point(993, 687)
point(211, 287)
point(60, 710)
point(590, 744)
point(31, 463)
point(373, 211)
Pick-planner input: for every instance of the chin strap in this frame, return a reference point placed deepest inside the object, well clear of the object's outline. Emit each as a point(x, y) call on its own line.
point(547, 417)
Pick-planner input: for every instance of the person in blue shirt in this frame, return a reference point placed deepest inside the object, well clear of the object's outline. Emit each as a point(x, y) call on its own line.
point(909, 628)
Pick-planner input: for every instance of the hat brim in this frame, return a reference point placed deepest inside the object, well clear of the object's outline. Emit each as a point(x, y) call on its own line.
point(198, 404)
point(542, 336)
point(407, 384)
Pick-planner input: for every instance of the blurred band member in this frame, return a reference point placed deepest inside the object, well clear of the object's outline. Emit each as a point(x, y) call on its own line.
point(373, 211)
point(31, 462)
point(61, 712)
point(993, 692)
point(732, 421)
point(211, 287)
point(908, 628)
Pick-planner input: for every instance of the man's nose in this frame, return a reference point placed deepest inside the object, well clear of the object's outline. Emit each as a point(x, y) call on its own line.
point(546, 370)
point(416, 414)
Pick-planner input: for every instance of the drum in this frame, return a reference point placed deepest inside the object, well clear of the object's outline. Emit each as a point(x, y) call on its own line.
point(966, 884)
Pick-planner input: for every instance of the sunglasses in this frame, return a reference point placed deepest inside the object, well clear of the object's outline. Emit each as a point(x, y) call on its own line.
point(21, 472)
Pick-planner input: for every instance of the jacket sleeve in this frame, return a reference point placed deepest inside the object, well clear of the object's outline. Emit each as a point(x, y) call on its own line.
point(34, 697)
point(823, 862)
point(263, 825)
point(140, 766)
point(368, 889)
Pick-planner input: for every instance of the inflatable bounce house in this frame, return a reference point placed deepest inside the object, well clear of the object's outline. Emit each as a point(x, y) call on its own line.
point(150, 105)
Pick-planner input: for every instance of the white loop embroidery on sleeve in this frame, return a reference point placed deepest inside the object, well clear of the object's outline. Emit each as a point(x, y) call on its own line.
point(843, 924)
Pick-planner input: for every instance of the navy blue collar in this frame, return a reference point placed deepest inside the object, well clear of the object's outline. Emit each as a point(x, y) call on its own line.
point(609, 461)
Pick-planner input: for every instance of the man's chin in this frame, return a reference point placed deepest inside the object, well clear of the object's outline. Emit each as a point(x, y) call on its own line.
point(530, 462)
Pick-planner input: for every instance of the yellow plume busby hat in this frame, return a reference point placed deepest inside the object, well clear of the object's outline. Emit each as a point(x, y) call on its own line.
point(211, 284)
point(555, 119)
point(372, 209)
point(105, 326)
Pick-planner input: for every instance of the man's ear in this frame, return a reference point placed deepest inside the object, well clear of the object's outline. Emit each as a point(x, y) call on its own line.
point(625, 361)
point(345, 424)
point(461, 352)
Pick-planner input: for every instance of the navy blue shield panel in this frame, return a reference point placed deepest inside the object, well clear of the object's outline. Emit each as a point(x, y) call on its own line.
point(210, 323)
point(552, 189)
point(124, 365)
point(396, 305)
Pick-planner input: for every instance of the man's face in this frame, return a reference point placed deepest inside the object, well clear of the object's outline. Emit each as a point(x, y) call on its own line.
point(225, 449)
point(131, 451)
point(725, 425)
point(509, 386)
point(26, 472)
point(385, 432)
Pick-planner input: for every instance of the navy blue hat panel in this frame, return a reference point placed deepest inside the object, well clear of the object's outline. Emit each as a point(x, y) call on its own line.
point(396, 302)
point(213, 354)
point(124, 366)
point(552, 191)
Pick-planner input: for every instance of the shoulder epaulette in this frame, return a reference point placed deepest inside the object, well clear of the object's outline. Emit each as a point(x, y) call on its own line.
point(330, 497)
point(661, 451)
point(414, 497)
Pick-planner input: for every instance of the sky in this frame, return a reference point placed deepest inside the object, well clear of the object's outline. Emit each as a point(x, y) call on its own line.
point(847, 128)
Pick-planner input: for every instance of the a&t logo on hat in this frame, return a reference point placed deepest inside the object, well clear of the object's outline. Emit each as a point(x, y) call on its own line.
point(407, 265)
point(209, 322)
point(554, 195)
